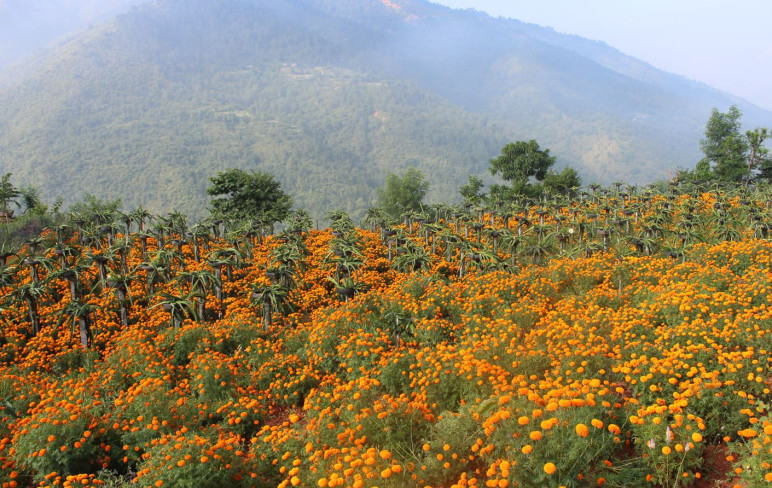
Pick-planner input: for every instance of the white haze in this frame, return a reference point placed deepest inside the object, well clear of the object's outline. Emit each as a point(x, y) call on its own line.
point(27, 26)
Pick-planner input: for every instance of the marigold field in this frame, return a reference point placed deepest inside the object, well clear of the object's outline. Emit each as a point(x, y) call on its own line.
point(613, 340)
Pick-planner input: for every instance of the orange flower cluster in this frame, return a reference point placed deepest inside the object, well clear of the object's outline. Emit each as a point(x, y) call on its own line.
point(461, 359)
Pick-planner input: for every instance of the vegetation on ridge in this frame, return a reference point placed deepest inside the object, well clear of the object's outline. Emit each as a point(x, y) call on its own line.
point(330, 97)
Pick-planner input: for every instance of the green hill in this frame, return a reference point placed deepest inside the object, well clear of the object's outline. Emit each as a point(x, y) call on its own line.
point(330, 96)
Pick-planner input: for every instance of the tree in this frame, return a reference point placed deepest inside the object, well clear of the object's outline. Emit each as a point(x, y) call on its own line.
point(758, 157)
point(248, 196)
point(518, 163)
point(403, 194)
point(566, 181)
point(30, 197)
point(8, 194)
point(33, 217)
point(472, 191)
point(724, 146)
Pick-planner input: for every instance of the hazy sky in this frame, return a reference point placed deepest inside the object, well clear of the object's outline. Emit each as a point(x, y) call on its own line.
point(727, 45)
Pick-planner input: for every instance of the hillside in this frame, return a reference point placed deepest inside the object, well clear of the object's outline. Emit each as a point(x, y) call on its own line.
point(330, 96)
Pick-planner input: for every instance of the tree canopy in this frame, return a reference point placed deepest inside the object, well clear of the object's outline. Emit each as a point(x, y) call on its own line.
point(403, 194)
point(472, 192)
point(248, 196)
point(724, 146)
point(25, 198)
point(758, 155)
point(730, 155)
point(520, 163)
point(8, 193)
point(566, 181)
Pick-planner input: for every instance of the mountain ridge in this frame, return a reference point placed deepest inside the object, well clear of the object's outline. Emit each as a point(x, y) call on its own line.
point(337, 93)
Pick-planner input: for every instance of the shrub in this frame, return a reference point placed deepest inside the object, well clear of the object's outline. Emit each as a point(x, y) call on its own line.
point(754, 459)
point(187, 460)
point(66, 438)
point(669, 444)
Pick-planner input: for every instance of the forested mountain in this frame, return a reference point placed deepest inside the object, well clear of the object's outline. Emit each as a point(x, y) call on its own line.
point(329, 96)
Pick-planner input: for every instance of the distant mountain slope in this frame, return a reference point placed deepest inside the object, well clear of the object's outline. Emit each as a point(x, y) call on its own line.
point(330, 95)
point(27, 26)
point(146, 110)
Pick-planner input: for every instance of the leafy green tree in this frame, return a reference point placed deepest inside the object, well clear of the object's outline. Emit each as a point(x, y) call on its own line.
point(403, 194)
point(724, 146)
point(30, 197)
point(16, 229)
point(566, 181)
point(8, 194)
point(519, 163)
point(472, 191)
point(248, 196)
point(703, 170)
point(758, 156)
